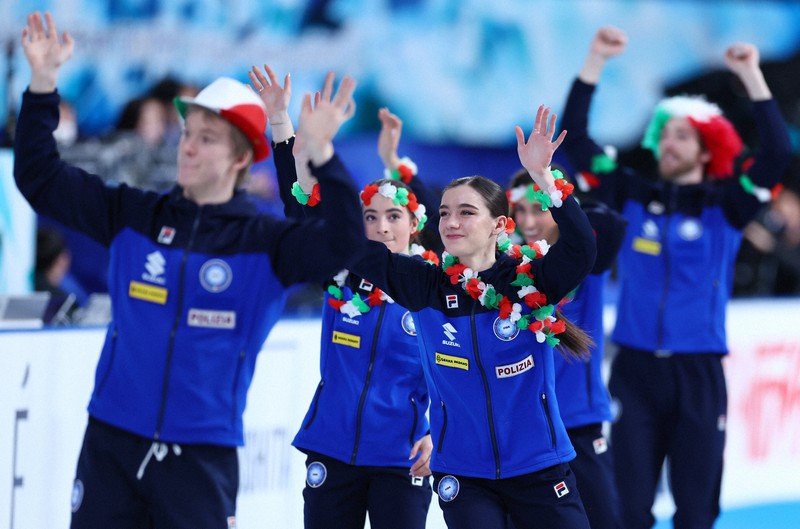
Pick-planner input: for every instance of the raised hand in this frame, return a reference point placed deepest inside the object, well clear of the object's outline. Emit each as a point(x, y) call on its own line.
point(389, 138)
point(742, 59)
point(536, 152)
point(319, 123)
point(276, 99)
point(45, 51)
point(608, 42)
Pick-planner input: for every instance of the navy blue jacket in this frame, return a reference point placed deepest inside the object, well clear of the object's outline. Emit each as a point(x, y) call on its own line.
point(677, 261)
point(371, 402)
point(194, 289)
point(494, 412)
point(580, 386)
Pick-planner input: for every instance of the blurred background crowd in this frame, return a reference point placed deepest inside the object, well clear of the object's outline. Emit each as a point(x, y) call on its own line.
point(460, 73)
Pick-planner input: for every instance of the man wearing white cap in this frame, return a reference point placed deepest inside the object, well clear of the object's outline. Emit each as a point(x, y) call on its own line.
point(197, 279)
point(675, 274)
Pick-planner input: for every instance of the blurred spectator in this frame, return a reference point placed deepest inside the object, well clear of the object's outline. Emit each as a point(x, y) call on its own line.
point(74, 149)
point(138, 154)
point(53, 261)
point(769, 259)
point(166, 91)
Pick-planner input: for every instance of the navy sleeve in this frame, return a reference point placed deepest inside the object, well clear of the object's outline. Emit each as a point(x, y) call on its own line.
point(580, 149)
point(431, 239)
point(570, 259)
point(769, 163)
point(609, 230)
point(314, 249)
point(67, 194)
point(287, 176)
point(405, 279)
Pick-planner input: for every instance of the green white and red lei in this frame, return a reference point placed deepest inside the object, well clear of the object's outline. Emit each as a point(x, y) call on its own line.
point(553, 197)
point(356, 306)
point(400, 196)
point(540, 316)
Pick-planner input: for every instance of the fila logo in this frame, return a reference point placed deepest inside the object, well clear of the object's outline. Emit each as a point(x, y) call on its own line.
point(166, 235)
point(365, 285)
point(155, 268)
point(417, 481)
point(451, 301)
point(561, 489)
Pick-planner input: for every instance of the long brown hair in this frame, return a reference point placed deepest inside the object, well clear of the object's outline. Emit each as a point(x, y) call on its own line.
point(574, 342)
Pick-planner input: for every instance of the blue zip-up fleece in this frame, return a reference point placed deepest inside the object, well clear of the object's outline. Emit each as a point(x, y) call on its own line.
point(580, 387)
point(678, 256)
point(371, 401)
point(195, 290)
point(493, 410)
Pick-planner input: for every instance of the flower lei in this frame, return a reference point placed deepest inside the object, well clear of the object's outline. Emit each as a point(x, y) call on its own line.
point(399, 196)
point(406, 171)
point(540, 320)
point(553, 197)
point(354, 306)
point(304, 199)
point(429, 256)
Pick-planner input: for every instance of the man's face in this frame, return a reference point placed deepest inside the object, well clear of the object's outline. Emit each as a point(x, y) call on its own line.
point(680, 151)
point(207, 165)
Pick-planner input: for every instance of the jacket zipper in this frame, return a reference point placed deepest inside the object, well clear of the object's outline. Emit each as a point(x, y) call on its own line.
point(416, 418)
point(549, 421)
point(667, 275)
point(365, 389)
point(589, 396)
point(235, 398)
point(175, 324)
point(444, 429)
point(489, 413)
point(316, 404)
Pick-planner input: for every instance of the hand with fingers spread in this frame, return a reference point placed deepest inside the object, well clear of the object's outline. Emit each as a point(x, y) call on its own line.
point(389, 138)
point(319, 123)
point(536, 152)
point(276, 99)
point(45, 51)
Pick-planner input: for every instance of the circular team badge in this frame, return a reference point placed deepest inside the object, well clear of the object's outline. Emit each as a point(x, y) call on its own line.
point(448, 488)
point(408, 324)
point(690, 230)
point(215, 275)
point(316, 474)
point(505, 329)
point(77, 495)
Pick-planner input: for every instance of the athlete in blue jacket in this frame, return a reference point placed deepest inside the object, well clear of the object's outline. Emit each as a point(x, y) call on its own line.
point(197, 279)
point(675, 271)
point(367, 422)
point(583, 399)
point(486, 329)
